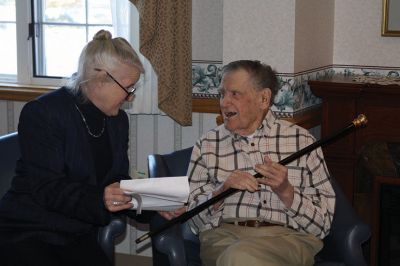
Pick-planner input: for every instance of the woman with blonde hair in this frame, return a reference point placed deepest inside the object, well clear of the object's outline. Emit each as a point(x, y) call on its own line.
point(74, 143)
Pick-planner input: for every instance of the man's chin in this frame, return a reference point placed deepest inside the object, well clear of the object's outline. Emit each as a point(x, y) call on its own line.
point(229, 126)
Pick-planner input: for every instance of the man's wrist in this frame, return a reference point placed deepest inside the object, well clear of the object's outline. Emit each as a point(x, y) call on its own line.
point(221, 188)
point(287, 196)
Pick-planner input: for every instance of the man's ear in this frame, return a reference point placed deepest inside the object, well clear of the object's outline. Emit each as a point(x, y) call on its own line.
point(266, 97)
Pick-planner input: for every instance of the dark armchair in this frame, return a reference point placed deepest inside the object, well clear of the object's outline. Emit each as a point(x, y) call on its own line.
point(179, 246)
point(10, 153)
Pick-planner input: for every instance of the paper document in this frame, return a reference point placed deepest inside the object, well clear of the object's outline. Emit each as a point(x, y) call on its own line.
point(159, 194)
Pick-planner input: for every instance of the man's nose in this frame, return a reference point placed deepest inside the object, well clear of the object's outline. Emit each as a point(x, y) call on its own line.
point(224, 101)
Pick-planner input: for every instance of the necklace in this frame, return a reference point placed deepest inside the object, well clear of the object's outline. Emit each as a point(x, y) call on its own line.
point(87, 126)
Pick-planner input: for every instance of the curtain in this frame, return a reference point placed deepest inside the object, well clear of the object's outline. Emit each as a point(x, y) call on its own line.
point(125, 18)
point(166, 40)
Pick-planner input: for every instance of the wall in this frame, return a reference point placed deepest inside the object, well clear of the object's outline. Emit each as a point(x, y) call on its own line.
point(358, 39)
point(313, 34)
point(9, 115)
point(207, 30)
point(294, 37)
point(259, 30)
point(206, 46)
point(291, 36)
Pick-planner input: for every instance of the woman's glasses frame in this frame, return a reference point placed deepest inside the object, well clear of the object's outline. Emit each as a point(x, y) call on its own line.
point(129, 91)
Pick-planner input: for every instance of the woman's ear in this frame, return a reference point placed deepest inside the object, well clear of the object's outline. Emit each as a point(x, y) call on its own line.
point(101, 78)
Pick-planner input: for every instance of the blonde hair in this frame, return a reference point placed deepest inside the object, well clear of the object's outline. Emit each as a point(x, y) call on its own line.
point(102, 52)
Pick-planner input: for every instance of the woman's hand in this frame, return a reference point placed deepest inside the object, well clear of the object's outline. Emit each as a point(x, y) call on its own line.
point(172, 214)
point(115, 199)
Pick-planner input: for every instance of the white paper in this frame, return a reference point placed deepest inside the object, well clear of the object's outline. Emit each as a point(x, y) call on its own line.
point(161, 193)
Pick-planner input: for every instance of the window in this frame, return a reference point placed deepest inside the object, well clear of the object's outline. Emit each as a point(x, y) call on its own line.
point(42, 39)
point(61, 28)
point(8, 31)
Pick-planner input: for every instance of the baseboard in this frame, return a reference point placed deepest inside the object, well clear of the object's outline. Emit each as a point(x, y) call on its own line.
point(129, 260)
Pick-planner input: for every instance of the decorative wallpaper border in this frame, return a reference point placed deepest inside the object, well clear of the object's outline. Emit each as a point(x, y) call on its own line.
point(348, 70)
point(206, 78)
point(294, 94)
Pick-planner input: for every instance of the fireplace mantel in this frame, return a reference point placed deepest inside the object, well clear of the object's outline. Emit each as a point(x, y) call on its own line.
point(342, 100)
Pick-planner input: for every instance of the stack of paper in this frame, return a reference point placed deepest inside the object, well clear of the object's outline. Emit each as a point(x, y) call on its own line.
point(159, 194)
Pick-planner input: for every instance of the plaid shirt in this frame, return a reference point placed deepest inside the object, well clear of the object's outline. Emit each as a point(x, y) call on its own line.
point(219, 152)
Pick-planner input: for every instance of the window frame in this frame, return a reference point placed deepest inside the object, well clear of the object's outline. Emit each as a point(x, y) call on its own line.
point(37, 28)
point(9, 77)
point(26, 65)
point(24, 12)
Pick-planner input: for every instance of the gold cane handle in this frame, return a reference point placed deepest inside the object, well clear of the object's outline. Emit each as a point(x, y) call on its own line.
point(361, 120)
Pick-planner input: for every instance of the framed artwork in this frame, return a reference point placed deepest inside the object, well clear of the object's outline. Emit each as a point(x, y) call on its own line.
point(391, 18)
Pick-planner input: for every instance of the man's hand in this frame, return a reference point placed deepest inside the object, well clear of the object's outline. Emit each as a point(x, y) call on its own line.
point(239, 180)
point(276, 176)
point(114, 198)
point(172, 214)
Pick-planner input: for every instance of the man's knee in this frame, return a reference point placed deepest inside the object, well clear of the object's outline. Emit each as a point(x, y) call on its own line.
point(237, 254)
point(245, 253)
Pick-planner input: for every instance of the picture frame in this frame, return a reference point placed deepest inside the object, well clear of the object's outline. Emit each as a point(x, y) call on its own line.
point(391, 18)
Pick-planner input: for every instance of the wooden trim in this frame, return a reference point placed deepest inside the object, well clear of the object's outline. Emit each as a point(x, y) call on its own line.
point(308, 119)
point(23, 93)
point(205, 105)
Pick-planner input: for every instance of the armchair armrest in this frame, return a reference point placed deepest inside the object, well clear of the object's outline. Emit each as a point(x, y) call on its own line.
point(178, 243)
point(348, 233)
point(345, 245)
point(357, 236)
point(107, 234)
point(177, 246)
point(169, 242)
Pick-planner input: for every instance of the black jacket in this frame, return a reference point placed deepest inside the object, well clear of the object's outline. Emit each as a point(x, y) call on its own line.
point(55, 195)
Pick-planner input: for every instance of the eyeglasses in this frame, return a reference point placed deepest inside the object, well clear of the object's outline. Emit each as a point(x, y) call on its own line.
point(129, 91)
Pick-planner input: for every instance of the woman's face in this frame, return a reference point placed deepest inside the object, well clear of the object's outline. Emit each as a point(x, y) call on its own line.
point(111, 88)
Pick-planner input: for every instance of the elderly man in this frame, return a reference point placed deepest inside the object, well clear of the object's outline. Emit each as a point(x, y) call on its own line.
point(276, 220)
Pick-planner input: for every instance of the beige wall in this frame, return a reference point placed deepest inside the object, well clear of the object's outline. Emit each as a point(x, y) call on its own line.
point(9, 115)
point(357, 35)
point(295, 36)
point(292, 36)
point(259, 29)
point(207, 30)
point(313, 34)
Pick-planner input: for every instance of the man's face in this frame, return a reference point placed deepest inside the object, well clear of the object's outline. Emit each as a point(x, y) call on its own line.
point(242, 106)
